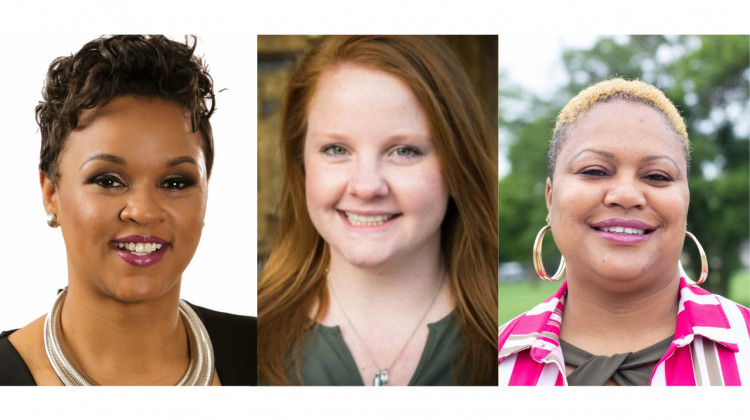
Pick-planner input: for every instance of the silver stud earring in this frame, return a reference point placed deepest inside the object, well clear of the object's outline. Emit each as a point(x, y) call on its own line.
point(52, 220)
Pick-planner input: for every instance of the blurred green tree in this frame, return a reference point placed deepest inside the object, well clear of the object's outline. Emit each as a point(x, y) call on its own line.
point(708, 79)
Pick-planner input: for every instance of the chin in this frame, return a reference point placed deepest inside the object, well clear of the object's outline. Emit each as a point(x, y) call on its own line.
point(366, 260)
point(365, 263)
point(626, 278)
point(138, 290)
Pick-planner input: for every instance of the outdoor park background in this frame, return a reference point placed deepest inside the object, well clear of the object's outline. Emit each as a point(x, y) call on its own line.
point(708, 79)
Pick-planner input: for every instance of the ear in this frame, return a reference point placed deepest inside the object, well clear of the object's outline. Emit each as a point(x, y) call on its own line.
point(49, 194)
point(548, 195)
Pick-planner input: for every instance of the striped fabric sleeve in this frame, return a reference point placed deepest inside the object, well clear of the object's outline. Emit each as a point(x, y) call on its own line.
point(711, 345)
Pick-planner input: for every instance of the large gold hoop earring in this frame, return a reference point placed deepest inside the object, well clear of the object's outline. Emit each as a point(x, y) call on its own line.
point(539, 264)
point(704, 261)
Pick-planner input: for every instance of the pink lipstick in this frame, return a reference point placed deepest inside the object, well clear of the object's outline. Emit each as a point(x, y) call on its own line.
point(623, 231)
point(140, 251)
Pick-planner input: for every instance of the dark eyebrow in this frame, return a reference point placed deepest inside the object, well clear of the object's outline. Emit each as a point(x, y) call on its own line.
point(120, 161)
point(598, 152)
point(182, 159)
point(103, 156)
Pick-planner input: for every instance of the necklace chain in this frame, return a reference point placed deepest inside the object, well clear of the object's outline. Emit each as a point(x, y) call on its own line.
point(200, 370)
point(381, 377)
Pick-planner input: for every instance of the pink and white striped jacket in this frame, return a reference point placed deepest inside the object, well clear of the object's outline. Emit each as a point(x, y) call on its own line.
point(711, 345)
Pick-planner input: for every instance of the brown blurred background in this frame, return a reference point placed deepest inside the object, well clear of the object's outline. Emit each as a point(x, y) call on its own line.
point(278, 56)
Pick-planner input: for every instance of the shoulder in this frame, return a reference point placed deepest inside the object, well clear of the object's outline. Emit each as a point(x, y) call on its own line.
point(737, 315)
point(533, 321)
point(726, 303)
point(234, 339)
point(706, 309)
point(21, 353)
point(223, 321)
point(13, 370)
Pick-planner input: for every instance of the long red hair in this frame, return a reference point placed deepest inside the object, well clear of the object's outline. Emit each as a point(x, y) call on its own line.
point(293, 281)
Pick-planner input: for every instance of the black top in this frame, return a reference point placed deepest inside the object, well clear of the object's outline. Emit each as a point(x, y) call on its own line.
point(233, 337)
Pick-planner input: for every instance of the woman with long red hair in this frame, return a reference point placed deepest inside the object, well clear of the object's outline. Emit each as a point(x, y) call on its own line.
point(384, 267)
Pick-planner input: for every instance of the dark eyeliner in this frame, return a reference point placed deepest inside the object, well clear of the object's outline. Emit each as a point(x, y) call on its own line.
point(595, 172)
point(186, 181)
point(101, 178)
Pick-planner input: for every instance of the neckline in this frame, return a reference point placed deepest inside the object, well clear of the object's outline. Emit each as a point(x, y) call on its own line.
point(334, 332)
point(662, 343)
point(336, 329)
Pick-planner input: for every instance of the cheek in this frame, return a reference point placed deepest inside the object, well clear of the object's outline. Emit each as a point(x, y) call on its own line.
point(323, 184)
point(423, 188)
point(190, 211)
point(673, 206)
point(79, 210)
point(570, 199)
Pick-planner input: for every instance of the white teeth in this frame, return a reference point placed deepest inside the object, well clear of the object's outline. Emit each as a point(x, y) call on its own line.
point(361, 220)
point(620, 229)
point(139, 248)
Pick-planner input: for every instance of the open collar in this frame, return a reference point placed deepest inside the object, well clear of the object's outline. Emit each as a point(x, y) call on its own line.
point(537, 329)
point(699, 313)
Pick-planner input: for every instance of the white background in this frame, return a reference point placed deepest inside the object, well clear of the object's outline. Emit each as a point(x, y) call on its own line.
point(222, 275)
point(230, 28)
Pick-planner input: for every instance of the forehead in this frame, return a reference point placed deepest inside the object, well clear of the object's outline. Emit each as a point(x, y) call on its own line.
point(354, 97)
point(626, 127)
point(142, 128)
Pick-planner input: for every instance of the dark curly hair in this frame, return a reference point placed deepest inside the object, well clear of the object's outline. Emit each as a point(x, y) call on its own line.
point(123, 65)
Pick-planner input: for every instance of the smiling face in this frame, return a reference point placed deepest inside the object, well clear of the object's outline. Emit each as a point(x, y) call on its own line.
point(373, 180)
point(619, 199)
point(130, 198)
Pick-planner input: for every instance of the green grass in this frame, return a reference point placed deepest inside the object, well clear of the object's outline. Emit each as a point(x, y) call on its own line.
point(739, 288)
point(516, 298)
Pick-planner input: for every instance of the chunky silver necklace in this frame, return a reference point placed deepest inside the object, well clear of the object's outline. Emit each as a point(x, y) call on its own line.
point(381, 376)
point(200, 371)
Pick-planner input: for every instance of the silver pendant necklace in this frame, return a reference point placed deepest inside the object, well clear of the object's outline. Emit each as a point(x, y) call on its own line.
point(381, 376)
point(200, 371)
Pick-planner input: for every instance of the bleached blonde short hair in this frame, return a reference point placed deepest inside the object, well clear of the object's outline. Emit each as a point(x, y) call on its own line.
point(606, 91)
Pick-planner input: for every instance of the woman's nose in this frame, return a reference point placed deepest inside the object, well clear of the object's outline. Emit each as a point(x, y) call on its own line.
point(143, 208)
point(625, 192)
point(367, 180)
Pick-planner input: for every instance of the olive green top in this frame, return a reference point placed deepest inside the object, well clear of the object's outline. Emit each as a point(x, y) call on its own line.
point(632, 368)
point(329, 362)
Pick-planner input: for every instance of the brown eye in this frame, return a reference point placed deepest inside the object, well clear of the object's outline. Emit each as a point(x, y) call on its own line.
point(593, 172)
point(177, 183)
point(107, 181)
point(658, 176)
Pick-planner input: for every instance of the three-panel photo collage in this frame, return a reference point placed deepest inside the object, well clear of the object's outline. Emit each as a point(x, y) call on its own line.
point(428, 210)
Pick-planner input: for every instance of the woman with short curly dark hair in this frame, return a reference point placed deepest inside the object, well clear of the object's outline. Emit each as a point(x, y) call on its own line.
point(126, 155)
